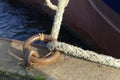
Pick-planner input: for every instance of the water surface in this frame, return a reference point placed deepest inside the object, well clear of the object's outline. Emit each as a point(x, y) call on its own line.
point(19, 22)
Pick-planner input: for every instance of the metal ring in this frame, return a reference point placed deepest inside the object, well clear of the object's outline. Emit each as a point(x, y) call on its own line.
point(32, 57)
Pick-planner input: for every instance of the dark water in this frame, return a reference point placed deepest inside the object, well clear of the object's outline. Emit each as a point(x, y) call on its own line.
point(16, 23)
point(19, 22)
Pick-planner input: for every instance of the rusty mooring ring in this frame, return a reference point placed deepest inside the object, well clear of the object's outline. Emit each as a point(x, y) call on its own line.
point(32, 57)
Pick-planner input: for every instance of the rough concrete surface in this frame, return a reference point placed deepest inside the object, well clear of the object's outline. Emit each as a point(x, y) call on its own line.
point(66, 68)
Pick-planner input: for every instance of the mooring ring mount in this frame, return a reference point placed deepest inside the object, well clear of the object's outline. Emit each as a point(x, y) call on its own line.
point(32, 57)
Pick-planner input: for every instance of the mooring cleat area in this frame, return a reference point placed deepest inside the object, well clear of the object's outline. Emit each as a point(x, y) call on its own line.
point(66, 68)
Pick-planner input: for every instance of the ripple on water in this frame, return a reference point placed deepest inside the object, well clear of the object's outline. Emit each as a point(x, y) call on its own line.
point(18, 22)
point(14, 22)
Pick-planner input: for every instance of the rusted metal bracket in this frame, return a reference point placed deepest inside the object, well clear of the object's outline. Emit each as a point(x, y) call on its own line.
point(32, 57)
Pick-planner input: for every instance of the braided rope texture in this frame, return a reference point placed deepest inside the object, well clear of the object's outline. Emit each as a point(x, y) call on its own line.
point(86, 54)
point(73, 50)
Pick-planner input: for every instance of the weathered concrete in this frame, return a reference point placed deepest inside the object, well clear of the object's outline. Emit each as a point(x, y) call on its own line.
point(67, 67)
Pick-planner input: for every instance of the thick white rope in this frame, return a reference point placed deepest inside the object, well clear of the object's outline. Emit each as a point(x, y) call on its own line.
point(50, 5)
point(54, 7)
point(86, 54)
point(73, 50)
point(58, 17)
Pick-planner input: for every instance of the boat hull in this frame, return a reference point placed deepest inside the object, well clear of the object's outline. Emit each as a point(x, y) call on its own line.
point(92, 20)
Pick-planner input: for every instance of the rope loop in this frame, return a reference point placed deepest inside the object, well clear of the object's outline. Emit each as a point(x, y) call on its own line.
point(52, 6)
point(41, 36)
point(32, 57)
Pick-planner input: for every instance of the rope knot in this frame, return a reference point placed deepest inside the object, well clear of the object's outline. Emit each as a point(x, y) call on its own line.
point(41, 36)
